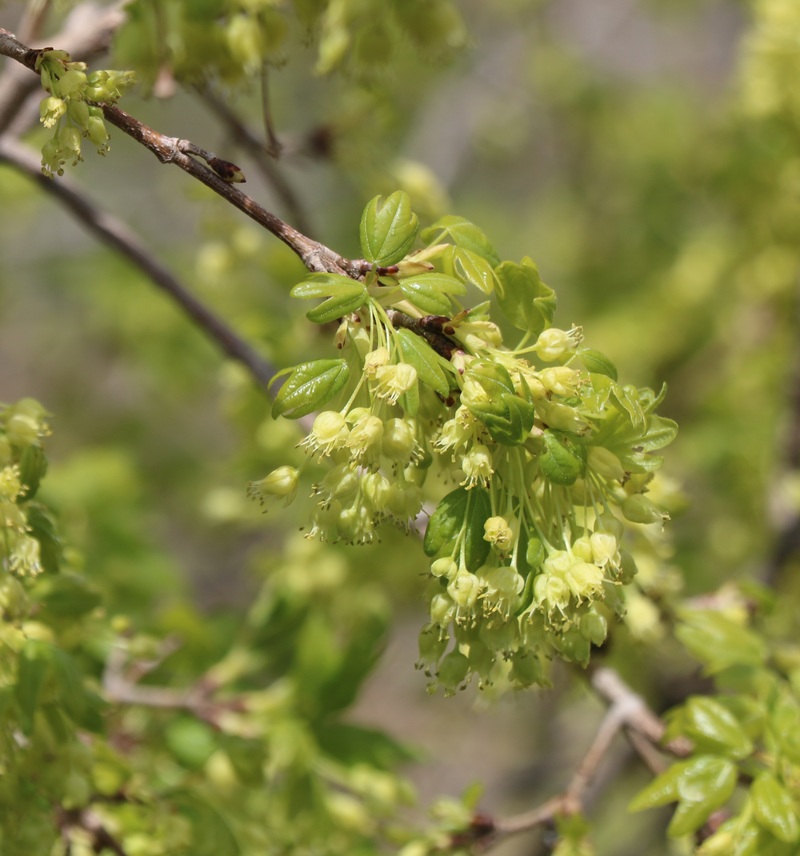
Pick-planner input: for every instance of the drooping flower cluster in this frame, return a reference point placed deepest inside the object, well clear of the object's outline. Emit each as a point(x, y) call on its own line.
point(72, 107)
point(22, 464)
point(546, 456)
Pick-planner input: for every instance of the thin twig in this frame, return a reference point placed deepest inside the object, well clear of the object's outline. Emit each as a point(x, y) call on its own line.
point(87, 32)
point(120, 687)
point(116, 234)
point(627, 712)
point(314, 255)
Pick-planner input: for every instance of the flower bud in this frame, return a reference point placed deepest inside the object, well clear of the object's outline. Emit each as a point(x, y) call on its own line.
point(464, 589)
point(281, 482)
point(554, 344)
point(453, 670)
point(498, 533)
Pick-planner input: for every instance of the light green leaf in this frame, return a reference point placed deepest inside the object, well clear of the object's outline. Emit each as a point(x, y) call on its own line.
point(344, 295)
point(627, 400)
point(705, 784)
point(597, 363)
point(463, 234)
point(309, 386)
point(473, 268)
point(558, 463)
point(418, 353)
point(429, 291)
point(524, 299)
point(660, 791)
point(713, 728)
point(660, 432)
point(774, 808)
point(388, 229)
point(719, 642)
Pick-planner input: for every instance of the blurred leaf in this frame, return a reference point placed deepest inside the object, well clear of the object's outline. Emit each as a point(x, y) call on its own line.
point(355, 744)
point(66, 595)
point(191, 741)
point(211, 833)
point(774, 808)
point(33, 664)
point(713, 728)
point(718, 642)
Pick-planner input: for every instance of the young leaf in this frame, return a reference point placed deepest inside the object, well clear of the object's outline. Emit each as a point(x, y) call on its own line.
point(476, 547)
point(446, 522)
point(418, 353)
point(713, 728)
point(558, 463)
point(474, 268)
point(344, 295)
point(719, 642)
point(429, 291)
point(597, 363)
point(774, 808)
point(309, 386)
point(463, 234)
point(388, 229)
point(705, 784)
point(524, 299)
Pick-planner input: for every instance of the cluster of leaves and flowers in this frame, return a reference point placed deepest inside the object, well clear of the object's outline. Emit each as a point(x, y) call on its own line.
point(72, 107)
point(253, 756)
point(739, 789)
point(548, 457)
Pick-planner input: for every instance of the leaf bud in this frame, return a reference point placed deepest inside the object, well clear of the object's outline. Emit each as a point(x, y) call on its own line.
point(464, 589)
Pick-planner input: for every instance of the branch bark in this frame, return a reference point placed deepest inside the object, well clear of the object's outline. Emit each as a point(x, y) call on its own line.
point(314, 255)
point(628, 713)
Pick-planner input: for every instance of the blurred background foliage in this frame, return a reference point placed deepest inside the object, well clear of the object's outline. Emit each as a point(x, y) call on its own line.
point(645, 154)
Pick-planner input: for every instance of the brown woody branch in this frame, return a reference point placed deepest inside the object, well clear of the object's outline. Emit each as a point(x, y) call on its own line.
point(627, 713)
point(314, 255)
point(121, 686)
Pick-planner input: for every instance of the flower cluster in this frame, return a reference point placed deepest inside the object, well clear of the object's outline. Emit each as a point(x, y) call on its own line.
point(546, 456)
point(72, 107)
point(22, 464)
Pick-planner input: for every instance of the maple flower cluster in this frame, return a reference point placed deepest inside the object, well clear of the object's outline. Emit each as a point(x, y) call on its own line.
point(536, 458)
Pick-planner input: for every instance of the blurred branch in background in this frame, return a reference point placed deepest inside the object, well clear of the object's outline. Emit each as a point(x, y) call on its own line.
point(116, 234)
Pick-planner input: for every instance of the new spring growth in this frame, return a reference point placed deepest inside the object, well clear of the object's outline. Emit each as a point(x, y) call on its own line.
point(538, 460)
point(72, 108)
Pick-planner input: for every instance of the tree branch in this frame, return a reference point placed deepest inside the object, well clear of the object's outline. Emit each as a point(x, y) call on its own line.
point(314, 255)
point(116, 234)
point(120, 685)
point(87, 32)
point(627, 712)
